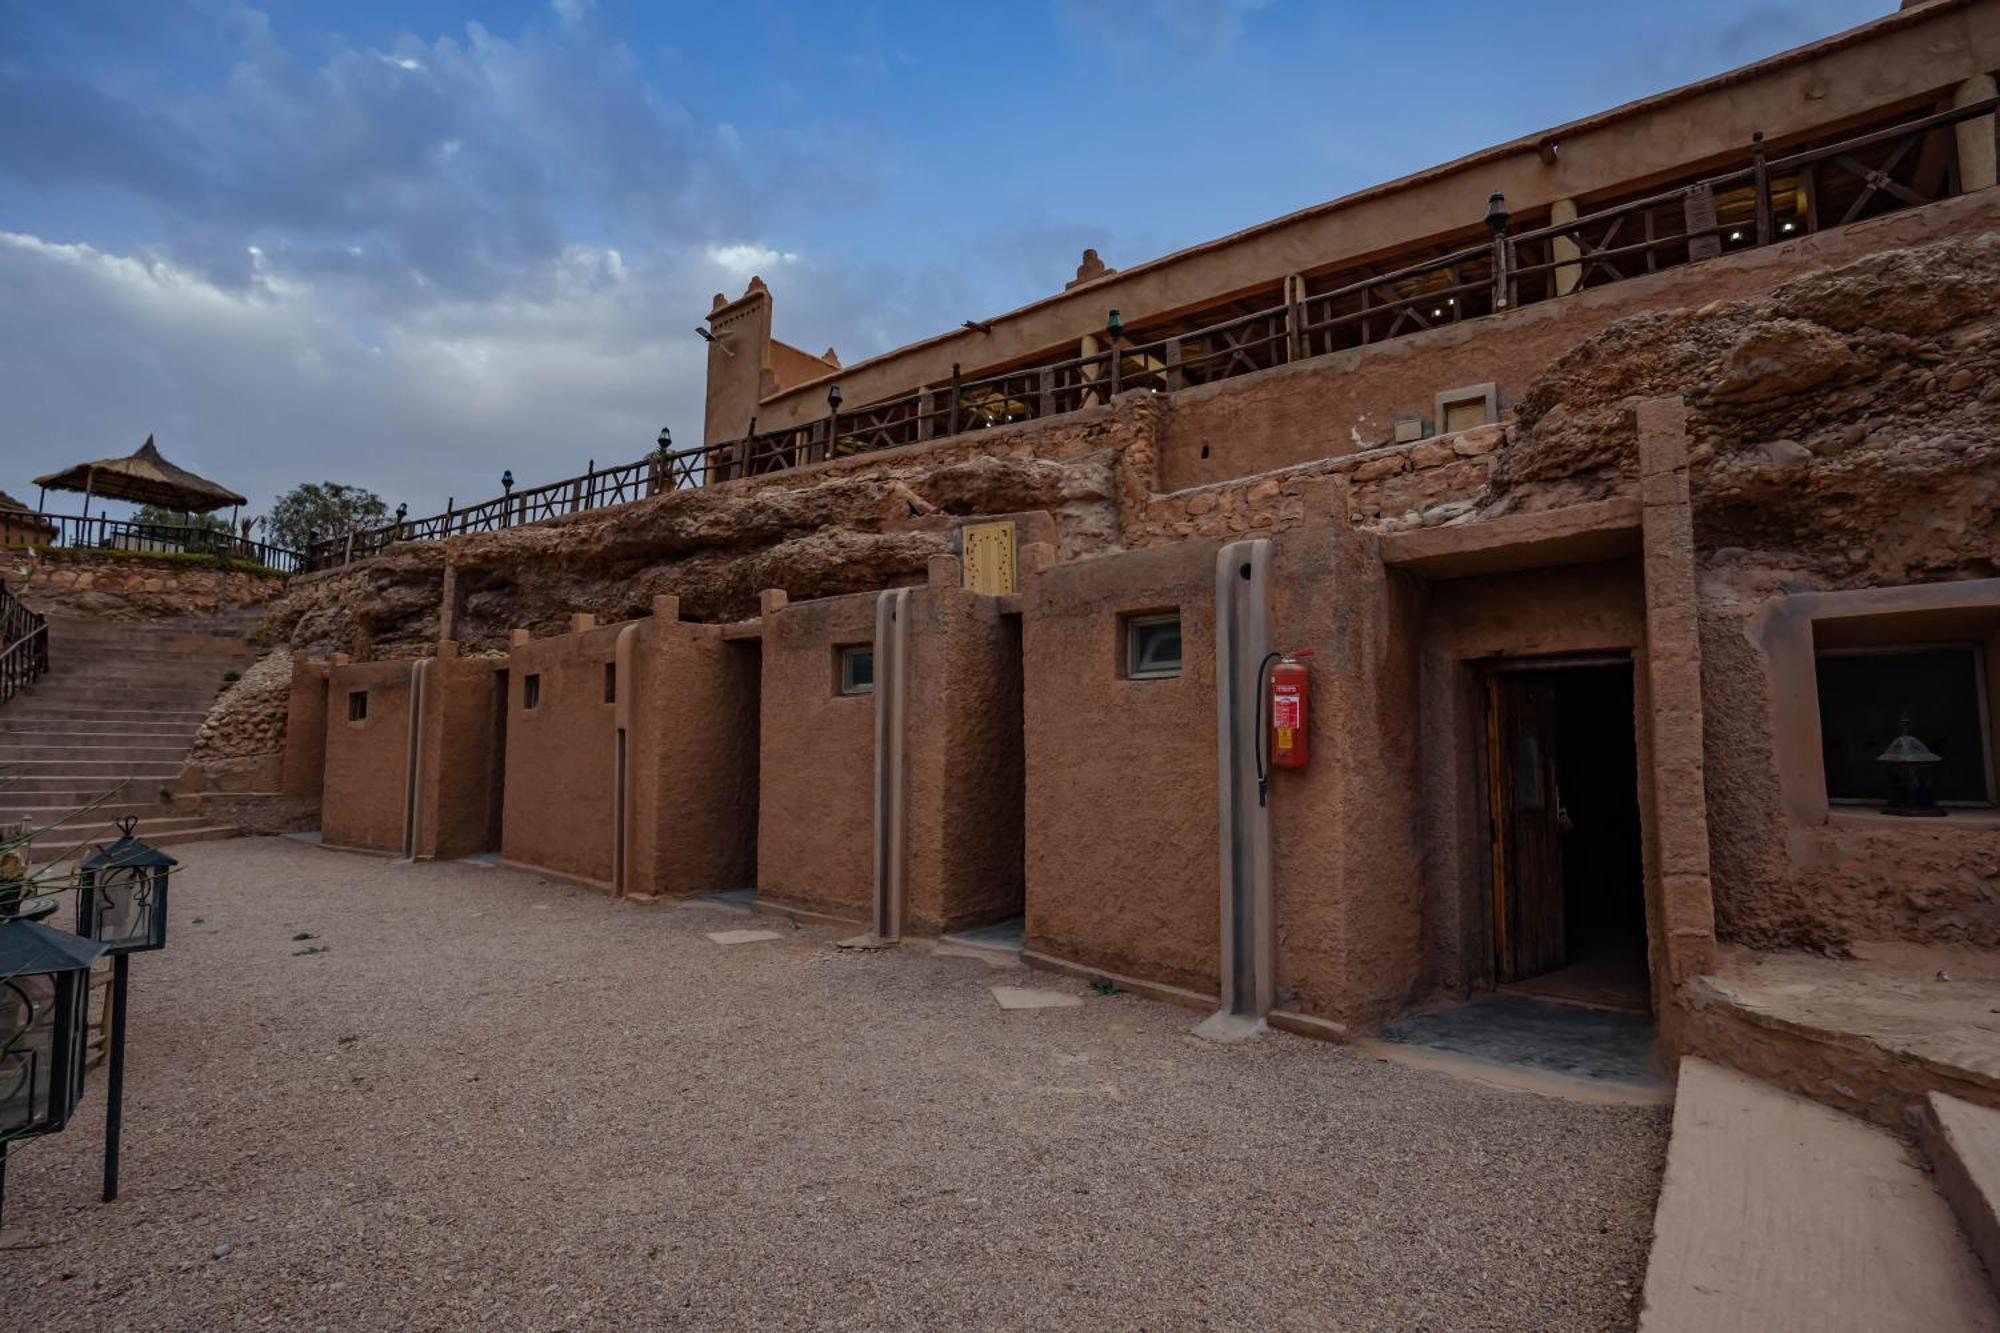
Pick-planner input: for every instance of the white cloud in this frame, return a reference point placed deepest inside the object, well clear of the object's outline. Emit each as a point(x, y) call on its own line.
point(743, 259)
point(572, 11)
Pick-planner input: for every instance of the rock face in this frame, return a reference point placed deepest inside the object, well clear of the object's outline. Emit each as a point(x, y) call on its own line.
point(246, 728)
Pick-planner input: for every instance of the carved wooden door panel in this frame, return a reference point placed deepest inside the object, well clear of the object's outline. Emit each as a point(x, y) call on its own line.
point(1528, 867)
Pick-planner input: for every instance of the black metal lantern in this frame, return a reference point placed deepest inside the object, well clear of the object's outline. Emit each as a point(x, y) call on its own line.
point(44, 995)
point(1114, 326)
point(507, 481)
point(666, 441)
point(1497, 216)
point(1911, 766)
point(121, 894)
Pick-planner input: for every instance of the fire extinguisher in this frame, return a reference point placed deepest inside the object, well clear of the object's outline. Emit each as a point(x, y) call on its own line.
point(1284, 697)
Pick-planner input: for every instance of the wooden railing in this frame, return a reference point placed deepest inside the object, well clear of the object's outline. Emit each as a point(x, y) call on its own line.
point(24, 645)
point(1765, 201)
point(103, 533)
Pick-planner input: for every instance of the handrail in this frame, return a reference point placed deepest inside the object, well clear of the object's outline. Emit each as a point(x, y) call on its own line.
point(100, 532)
point(1472, 280)
point(25, 632)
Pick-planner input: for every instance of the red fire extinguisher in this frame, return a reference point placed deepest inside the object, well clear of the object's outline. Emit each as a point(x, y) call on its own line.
point(1287, 708)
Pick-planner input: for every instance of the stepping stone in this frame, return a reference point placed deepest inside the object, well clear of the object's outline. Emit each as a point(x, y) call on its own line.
point(1020, 997)
point(742, 936)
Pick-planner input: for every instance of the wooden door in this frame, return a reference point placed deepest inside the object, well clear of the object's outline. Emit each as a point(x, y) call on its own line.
point(1527, 834)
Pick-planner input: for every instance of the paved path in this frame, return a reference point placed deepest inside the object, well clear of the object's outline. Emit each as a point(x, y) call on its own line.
point(495, 1102)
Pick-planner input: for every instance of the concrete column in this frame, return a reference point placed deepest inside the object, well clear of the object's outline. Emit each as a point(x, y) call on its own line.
point(1684, 917)
point(1242, 640)
point(1565, 248)
point(1976, 148)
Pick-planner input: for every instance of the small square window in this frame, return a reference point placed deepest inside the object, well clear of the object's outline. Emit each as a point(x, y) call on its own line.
point(1153, 645)
point(1866, 693)
point(857, 669)
point(357, 705)
point(531, 691)
point(611, 682)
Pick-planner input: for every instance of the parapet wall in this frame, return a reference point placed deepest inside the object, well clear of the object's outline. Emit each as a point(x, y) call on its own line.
point(134, 585)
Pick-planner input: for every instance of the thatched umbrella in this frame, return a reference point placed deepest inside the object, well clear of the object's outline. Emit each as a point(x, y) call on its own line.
point(143, 478)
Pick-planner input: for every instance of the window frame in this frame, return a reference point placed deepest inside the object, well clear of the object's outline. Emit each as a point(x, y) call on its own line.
point(1975, 652)
point(1133, 627)
point(844, 657)
point(357, 705)
point(531, 691)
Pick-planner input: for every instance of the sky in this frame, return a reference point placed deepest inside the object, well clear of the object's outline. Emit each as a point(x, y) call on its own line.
point(408, 245)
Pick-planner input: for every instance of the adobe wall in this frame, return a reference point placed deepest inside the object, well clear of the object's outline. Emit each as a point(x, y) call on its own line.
point(303, 773)
point(694, 761)
point(1343, 403)
point(455, 775)
point(1346, 857)
point(561, 757)
point(1791, 869)
point(366, 787)
point(1122, 814)
point(816, 762)
point(965, 796)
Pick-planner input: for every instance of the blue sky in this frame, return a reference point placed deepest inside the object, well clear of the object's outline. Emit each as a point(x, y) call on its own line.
point(407, 245)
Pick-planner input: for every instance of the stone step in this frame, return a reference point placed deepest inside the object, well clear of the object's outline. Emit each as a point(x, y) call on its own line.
point(84, 731)
point(15, 751)
point(1963, 1143)
point(1780, 1214)
point(71, 814)
point(54, 848)
point(19, 789)
point(27, 711)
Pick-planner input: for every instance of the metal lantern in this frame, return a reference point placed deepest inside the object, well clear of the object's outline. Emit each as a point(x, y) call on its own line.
point(44, 995)
point(1911, 766)
point(121, 897)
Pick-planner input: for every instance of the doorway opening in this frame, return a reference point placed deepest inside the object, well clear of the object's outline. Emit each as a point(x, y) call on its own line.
point(1568, 879)
point(496, 779)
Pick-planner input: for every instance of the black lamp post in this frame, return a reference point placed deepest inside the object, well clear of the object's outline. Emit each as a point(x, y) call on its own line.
point(44, 995)
point(832, 417)
point(1911, 766)
point(121, 903)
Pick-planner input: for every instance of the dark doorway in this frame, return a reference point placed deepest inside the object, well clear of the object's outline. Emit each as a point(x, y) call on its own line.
point(496, 785)
point(1568, 881)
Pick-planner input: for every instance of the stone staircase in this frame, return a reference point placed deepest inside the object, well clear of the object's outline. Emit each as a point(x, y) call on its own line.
point(116, 714)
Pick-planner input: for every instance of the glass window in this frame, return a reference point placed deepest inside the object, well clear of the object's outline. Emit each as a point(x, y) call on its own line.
point(1153, 645)
point(357, 705)
point(1864, 695)
point(857, 669)
point(531, 691)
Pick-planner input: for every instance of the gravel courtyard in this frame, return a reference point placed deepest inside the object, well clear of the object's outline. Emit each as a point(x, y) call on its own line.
point(499, 1102)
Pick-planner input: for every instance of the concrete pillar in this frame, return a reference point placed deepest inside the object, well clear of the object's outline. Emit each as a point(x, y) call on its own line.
point(892, 614)
point(1976, 149)
point(1092, 372)
point(1565, 248)
point(1242, 640)
point(1683, 920)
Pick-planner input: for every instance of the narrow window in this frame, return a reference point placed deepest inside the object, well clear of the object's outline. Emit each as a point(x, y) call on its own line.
point(611, 682)
point(1153, 645)
point(1865, 694)
point(857, 669)
point(531, 691)
point(357, 705)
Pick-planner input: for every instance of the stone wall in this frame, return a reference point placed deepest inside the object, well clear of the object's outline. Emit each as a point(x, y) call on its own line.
point(135, 586)
point(241, 743)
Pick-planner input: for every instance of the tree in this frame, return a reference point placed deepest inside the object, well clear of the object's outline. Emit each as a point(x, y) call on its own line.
point(323, 509)
point(155, 516)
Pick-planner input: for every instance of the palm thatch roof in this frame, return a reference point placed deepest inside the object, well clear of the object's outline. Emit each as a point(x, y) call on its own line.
point(144, 478)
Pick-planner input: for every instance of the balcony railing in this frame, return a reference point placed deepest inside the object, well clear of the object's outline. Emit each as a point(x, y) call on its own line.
point(1766, 200)
point(102, 533)
point(24, 645)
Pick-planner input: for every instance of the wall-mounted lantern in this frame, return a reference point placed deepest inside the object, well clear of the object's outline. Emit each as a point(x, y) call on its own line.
point(121, 904)
point(1912, 767)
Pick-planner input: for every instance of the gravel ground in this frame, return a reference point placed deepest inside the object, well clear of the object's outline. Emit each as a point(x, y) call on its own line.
point(499, 1102)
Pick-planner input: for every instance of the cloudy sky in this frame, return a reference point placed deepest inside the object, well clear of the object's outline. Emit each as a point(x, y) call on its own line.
point(411, 244)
